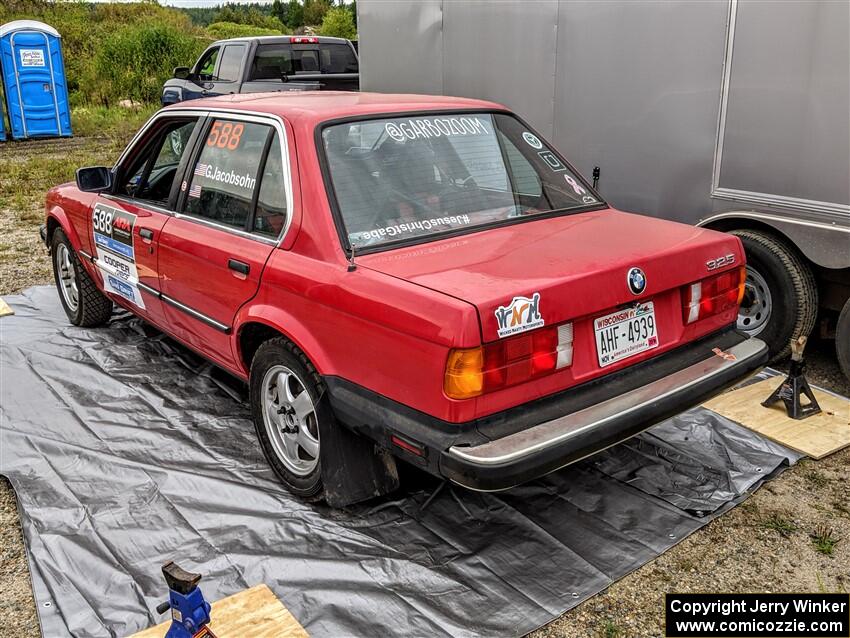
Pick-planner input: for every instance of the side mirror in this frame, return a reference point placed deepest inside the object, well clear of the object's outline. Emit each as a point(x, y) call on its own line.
point(181, 72)
point(94, 179)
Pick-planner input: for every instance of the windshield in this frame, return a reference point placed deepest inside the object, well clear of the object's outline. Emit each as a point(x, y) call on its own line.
point(401, 178)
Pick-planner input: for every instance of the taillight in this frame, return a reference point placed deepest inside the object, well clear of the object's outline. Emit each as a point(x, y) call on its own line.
point(713, 295)
point(304, 40)
point(474, 371)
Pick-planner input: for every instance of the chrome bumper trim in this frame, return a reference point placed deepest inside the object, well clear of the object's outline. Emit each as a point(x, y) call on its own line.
point(555, 432)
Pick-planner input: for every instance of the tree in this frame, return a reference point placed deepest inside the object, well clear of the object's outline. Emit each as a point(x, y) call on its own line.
point(295, 15)
point(339, 23)
point(281, 11)
point(315, 10)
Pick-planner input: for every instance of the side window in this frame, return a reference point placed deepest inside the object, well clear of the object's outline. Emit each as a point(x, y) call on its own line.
point(206, 67)
point(151, 174)
point(270, 217)
point(338, 58)
point(231, 62)
point(224, 178)
point(525, 177)
point(271, 62)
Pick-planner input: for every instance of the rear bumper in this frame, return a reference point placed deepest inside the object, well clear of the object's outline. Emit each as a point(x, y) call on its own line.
point(516, 458)
point(511, 447)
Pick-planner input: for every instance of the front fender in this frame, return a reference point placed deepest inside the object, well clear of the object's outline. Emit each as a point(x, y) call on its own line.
point(287, 325)
point(56, 216)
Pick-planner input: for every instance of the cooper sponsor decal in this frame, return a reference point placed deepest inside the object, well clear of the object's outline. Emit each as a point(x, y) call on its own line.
point(523, 313)
point(431, 127)
point(116, 258)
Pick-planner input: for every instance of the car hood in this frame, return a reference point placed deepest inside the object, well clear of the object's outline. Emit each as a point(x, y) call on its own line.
point(573, 265)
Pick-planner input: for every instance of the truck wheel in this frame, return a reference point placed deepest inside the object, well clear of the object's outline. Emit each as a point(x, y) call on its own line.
point(83, 302)
point(842, 339)
point(781, 298)
point(286, 404)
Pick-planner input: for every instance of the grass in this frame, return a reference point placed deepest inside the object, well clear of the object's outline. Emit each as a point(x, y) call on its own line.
point(29, 168)
point(611, 630)
point(816, 478)
point(824, 540)
point(778, 522)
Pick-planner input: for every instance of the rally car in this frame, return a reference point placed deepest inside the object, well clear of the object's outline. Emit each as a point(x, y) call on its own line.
point(402, 277)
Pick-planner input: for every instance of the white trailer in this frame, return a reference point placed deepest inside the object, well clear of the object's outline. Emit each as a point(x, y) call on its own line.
point(732, 114)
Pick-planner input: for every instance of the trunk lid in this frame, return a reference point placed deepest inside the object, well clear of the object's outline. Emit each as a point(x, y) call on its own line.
point(572, 267)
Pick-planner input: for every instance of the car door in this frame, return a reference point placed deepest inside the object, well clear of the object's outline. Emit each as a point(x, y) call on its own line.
point(228, 74)
point(126, 223)
point(231, 215)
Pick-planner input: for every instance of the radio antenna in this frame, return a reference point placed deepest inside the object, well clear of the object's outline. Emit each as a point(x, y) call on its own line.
point(351, 265)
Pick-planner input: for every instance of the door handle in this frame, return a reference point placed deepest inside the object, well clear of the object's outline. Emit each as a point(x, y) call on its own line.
point(238, 266)
point(146, 233)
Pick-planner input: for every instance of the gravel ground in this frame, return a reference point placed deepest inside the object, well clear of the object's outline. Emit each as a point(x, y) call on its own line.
point(764, 545)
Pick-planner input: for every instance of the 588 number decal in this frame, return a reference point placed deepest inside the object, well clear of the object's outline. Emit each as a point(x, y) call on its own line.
point(225, 135)
point(102, 220)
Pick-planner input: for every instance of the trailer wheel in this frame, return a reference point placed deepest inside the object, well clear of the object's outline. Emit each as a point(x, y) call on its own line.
point(781, 298)
point(842, 339)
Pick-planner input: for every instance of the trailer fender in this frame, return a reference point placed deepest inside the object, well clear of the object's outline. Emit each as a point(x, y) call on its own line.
point(822, 243)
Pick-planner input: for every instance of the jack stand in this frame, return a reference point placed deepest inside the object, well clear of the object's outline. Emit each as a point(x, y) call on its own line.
point(190, 613)
point(795, 386)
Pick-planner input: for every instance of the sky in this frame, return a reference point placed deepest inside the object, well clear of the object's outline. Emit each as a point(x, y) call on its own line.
point(203, 3)
point(194, 3)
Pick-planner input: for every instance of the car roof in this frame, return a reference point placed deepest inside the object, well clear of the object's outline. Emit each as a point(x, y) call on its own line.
point(280, 39)
point(313, 107)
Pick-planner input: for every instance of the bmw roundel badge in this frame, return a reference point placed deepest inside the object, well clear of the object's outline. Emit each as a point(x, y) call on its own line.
point(636, 280)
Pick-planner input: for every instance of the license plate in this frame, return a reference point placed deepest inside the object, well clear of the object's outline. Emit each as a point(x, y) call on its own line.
point(625, 333)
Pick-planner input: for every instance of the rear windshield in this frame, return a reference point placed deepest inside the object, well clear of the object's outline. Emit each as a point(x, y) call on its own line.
point(401, 178)
point(273, 61)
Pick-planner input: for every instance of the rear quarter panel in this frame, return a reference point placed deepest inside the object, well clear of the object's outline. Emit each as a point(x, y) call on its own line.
point(385, 334)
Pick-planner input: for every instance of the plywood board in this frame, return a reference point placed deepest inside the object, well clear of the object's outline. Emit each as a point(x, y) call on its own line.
point(253, 613)
point(817, 436)
point(5, 309)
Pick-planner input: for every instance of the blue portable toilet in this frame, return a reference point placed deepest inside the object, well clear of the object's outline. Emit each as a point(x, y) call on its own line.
point(2, 123)
point(34, 80)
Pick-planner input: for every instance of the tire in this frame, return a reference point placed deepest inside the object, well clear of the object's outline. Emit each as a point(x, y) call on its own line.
point(297, 471)
point(85, 305)
point(781, 300)
point(842, 339)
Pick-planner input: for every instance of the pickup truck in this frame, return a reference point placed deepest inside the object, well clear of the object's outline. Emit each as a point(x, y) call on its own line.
point(267, 63)
point(402, 277)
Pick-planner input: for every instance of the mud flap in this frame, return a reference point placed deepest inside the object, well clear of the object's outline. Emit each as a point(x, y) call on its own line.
point(354, 469)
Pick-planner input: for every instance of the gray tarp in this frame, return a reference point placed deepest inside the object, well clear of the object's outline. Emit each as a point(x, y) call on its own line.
point(125, 451)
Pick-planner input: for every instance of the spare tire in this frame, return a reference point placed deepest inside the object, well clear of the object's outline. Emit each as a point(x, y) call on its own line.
point(842, 339)
point(781, 298)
